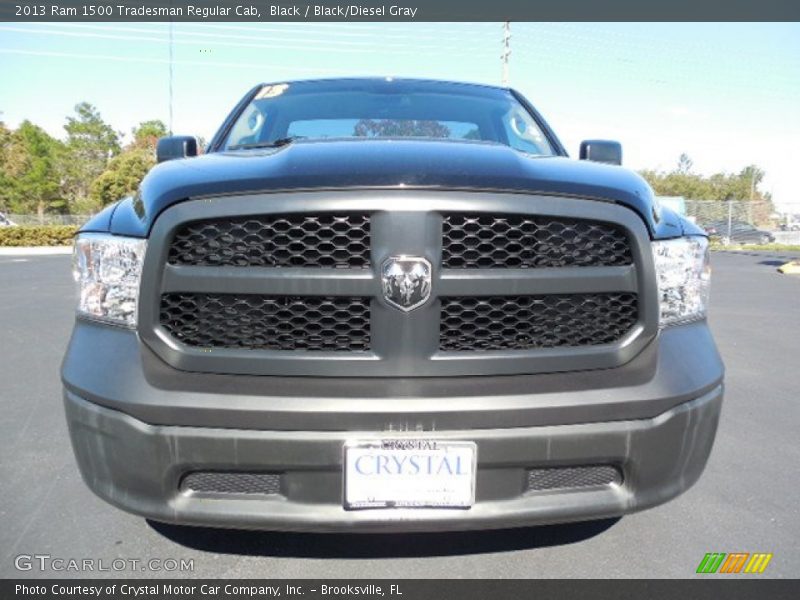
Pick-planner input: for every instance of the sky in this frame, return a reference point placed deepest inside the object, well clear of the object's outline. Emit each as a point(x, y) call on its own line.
point(726, 94)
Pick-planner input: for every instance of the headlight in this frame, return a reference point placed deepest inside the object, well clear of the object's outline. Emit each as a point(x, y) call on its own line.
point(683, 275)
point(108, 270)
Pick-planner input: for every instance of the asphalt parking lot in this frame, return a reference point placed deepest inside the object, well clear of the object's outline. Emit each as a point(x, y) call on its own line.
point(746, 501)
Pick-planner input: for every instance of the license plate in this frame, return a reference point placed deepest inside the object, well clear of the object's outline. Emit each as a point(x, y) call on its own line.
point(409, 473)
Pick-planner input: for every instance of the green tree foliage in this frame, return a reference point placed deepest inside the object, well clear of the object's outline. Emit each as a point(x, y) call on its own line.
point(123, 175)
point(683, 181)
point(126, 170)
point(30, 170)
point(8, 164)
point(147, 133)
point(81, 175)
point(91, 143)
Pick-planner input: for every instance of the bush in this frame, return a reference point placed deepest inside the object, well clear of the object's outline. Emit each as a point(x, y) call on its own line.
point(38, 235)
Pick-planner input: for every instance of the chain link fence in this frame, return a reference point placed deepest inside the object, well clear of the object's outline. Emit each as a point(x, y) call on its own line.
point(743, 222)
point(48, 219)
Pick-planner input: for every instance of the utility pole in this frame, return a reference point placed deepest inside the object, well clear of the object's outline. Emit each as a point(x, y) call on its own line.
point(727, 239)
point(171, 52)
point(506, 50)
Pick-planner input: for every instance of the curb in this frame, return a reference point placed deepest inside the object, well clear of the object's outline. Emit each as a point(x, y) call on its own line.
point(790, 268)
point(35, 251)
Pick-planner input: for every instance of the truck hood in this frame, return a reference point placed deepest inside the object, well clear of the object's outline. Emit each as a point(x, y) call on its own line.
point(446, 165)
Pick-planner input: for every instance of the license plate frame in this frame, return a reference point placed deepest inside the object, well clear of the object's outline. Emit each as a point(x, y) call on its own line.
point(451, 487)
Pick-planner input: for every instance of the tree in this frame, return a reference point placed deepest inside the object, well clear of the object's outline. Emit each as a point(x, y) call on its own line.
point(752, 176)
point(8, 168)
point(147, 133)
point(685, 164)
point(30, 176)
point(400, 128)
point(126, 170)
point(91, 143)
point(755, 207)
point(123, 176)
point(681, 181)
point(676, 183)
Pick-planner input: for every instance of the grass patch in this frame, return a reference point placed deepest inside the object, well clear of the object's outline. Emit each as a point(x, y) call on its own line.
point(767, 247)
point(37, 235)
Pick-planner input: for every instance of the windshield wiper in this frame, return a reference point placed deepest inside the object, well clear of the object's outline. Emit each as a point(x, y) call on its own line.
point(285, 141)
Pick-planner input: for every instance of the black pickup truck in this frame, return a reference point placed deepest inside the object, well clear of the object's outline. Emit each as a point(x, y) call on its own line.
point(390, 305)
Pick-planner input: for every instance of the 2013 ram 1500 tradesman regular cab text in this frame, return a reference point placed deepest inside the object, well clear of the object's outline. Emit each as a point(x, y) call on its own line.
point(390, 305)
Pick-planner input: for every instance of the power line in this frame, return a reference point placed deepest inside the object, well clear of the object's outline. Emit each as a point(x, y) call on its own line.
point(328, 45)
point(171, 69)
point(615, 71)
point(381, 32)
point(163, 61)
point(402, 40)
point(634, 44)
point(296, 72)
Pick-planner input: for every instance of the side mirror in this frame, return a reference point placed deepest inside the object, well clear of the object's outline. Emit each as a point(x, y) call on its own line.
point(176, 146)
point(602, 151)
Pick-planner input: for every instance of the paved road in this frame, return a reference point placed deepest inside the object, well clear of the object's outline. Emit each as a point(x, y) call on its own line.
point(747, 500)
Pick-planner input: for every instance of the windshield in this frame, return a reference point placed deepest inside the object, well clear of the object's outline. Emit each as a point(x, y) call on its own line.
point(352, 109)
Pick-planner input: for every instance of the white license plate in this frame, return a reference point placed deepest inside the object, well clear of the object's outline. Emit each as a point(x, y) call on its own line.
point(409, 473)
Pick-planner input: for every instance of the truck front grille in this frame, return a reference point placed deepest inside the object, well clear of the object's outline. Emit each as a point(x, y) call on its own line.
point(290, 240)
point(296, 284)
point(556, 478)
point(232, 482)
point(481, 241)
point(545, 321)
point(255, 322)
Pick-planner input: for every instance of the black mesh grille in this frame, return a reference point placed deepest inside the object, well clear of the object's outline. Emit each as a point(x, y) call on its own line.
point(232, 483)
point(552, 478)
point(521, 242)
point(525, 322)
point(296, 240)
point(330, 323)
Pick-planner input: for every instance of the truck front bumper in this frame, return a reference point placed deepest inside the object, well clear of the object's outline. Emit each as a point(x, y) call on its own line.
point(138, 428)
